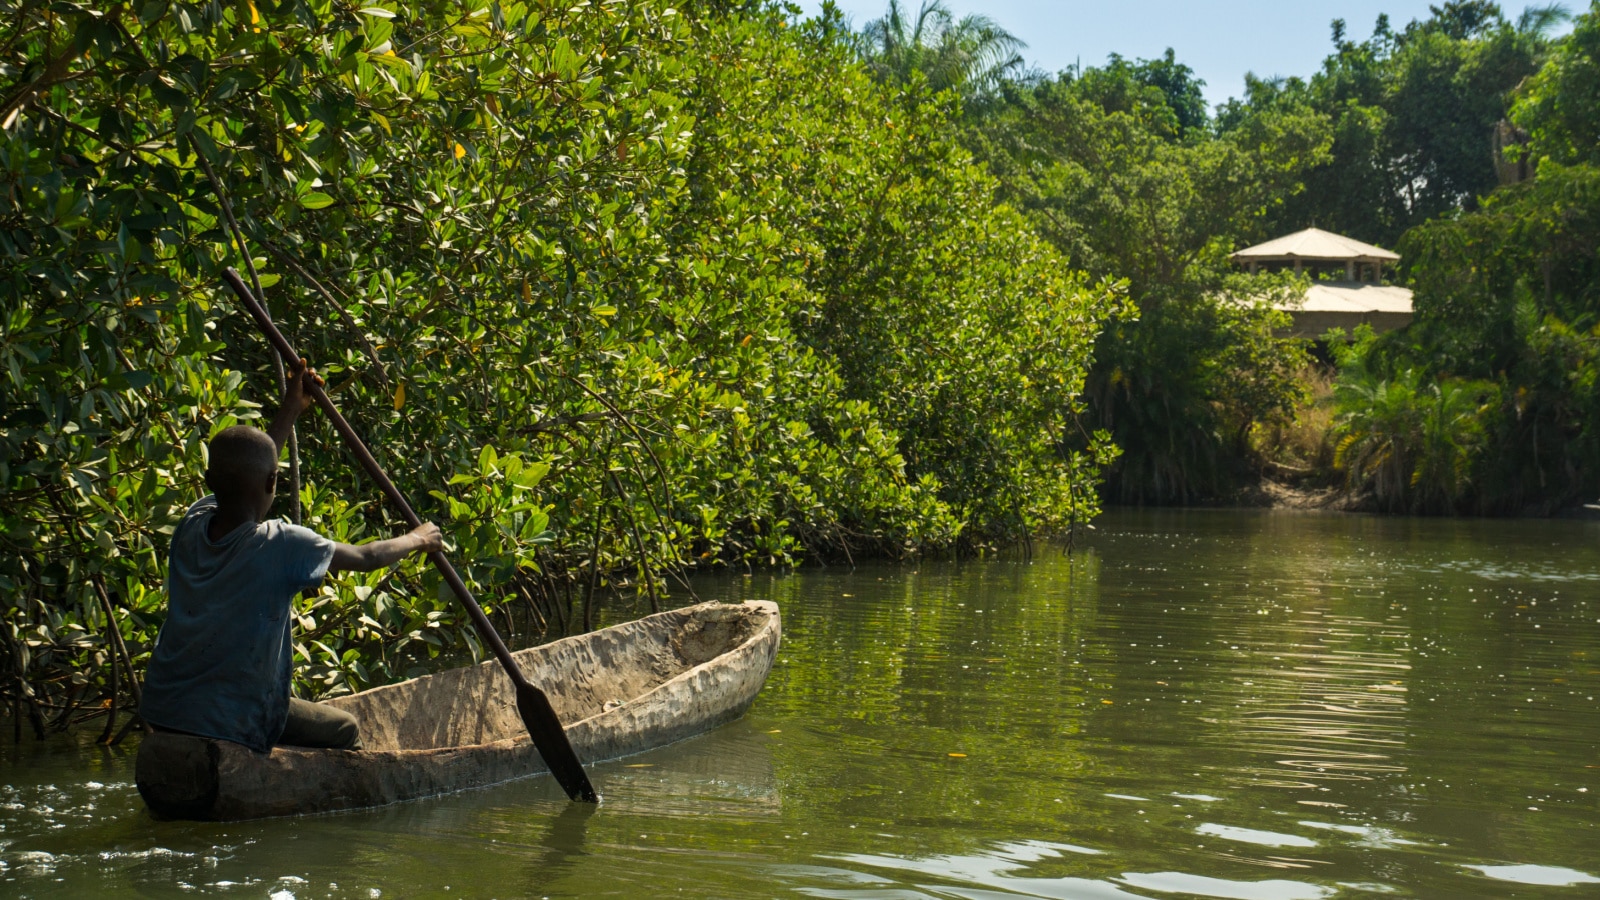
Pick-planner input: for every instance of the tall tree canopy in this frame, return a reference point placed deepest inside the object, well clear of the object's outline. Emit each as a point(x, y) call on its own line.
point(1120, 170)
point(1413, 113)
point(624, 290)
point(1508, 301)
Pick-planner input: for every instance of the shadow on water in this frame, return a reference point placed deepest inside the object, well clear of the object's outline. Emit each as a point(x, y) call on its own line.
point(559, 851)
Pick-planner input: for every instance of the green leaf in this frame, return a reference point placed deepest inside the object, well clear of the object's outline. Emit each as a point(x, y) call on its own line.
point(316, 200)
point(564, 59)
point(531, 474)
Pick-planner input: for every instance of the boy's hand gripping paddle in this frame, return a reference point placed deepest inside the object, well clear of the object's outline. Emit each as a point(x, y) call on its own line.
point(537, 714)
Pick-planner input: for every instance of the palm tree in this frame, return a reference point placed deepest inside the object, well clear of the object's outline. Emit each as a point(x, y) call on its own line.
point(970, 55)
point(1411, 442)
point(1378, 431)
point(1453, 434)
point(1540, 21)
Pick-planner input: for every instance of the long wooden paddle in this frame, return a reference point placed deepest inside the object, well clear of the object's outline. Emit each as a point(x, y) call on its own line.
point(537, 715)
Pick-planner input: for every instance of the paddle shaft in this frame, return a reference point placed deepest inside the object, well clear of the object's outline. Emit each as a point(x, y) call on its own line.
point(537, 715)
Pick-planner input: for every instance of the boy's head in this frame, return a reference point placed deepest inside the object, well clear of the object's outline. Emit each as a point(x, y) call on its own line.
point(243, 471)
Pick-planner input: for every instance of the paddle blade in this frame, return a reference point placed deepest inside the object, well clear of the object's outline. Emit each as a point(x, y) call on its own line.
point(551, 739)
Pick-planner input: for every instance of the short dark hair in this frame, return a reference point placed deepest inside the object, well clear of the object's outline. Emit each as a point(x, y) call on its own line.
point(241, 457)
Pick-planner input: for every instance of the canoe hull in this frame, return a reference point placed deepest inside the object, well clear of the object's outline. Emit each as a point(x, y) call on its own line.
point(421, 728)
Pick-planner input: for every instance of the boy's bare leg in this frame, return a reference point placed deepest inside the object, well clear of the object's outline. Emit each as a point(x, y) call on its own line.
point(319, 725)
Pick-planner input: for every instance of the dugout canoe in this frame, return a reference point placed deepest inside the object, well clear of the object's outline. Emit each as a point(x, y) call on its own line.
point(621, 690)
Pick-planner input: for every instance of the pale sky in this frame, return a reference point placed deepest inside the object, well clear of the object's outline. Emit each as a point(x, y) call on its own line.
point(1221, 40)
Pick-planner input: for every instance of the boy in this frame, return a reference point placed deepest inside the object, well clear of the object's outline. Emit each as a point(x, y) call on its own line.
point(221, 664)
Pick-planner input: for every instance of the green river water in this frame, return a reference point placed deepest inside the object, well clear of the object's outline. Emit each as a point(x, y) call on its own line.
point(1264, 706)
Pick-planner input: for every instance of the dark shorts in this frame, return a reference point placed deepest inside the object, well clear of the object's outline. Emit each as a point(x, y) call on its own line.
point(311, 725)
point(319, 725)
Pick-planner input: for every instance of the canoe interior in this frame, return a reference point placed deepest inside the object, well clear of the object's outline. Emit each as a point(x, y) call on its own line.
point(583, 677)
point(619, 691)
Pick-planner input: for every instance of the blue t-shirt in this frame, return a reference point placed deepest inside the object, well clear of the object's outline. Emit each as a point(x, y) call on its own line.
point(221, 664)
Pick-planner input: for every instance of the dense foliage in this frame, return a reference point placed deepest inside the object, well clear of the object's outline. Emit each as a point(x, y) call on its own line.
point(615, 291)
point(1121, 170)
point(619, 291)
point(1508, 300)
point(1413, 113)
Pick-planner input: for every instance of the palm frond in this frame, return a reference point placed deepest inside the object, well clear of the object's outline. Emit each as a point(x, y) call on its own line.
point(972, 55)
point(1540, 21)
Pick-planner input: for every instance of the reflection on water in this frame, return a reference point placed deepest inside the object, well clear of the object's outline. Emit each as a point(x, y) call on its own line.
point(1204, 704)
point(1255, 836)
point(1336, 709)
point(1201, 886)
point(1553, 876)
point(1002, 873)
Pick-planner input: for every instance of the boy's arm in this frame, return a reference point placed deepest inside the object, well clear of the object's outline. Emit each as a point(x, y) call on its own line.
point(296, 400)
point(369, 557)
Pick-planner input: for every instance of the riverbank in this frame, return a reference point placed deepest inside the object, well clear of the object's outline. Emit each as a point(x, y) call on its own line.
point(1309, 491)
point(1284, 488)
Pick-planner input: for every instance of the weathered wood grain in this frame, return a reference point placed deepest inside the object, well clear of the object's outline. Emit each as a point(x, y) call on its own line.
point(623, 690)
